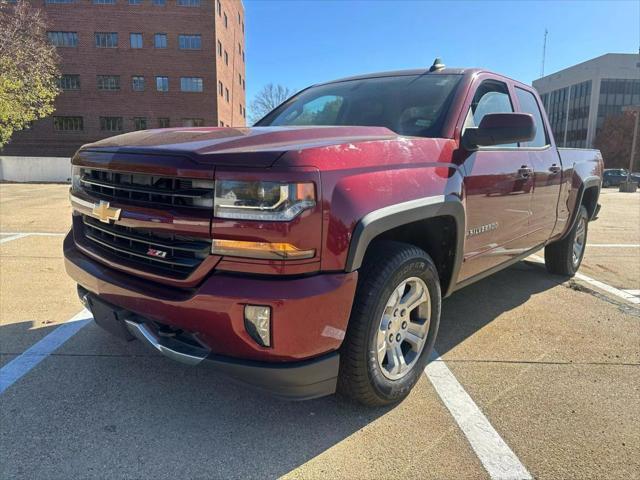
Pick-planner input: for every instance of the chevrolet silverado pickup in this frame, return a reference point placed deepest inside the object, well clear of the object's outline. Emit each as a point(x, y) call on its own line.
point(310, 253)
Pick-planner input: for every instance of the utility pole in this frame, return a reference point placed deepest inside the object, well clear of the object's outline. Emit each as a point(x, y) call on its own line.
point(544, 52)
point(635, 111)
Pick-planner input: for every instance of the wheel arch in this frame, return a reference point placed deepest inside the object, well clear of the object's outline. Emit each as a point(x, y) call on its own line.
point(435, 224)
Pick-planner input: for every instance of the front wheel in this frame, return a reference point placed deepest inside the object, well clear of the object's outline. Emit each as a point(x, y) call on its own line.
point(565, 256)
point(393, 324)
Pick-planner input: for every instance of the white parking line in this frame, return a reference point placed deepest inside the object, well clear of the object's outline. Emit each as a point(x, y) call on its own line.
point(496, 456)
point(598, 284)
point(22, 364)
point(12, 236)
point(16, 235)
point(614, 245)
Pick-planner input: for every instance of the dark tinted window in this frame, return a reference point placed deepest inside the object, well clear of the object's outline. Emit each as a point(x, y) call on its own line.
point(528, 104)
point(412, 105)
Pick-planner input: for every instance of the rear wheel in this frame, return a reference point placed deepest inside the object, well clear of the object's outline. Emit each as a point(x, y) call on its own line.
point(565, 256)
point(393, 324)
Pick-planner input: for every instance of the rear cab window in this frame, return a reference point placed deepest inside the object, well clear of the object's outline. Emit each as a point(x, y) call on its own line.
point(528, 104)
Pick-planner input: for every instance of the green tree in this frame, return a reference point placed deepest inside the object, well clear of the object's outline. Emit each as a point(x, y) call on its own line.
point(28, 68)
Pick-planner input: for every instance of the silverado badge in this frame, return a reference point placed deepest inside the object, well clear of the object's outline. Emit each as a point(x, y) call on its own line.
point(103, 212)
point(482, 229)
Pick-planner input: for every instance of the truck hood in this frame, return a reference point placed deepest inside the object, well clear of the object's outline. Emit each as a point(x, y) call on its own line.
point(246, 147)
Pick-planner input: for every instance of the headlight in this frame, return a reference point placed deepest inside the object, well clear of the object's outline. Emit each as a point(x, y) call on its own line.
point(75, 178)
point(267, 201)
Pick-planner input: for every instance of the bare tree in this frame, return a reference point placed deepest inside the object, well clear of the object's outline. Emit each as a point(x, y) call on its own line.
point(614, 141)
point(28, 68)
point(268, 98)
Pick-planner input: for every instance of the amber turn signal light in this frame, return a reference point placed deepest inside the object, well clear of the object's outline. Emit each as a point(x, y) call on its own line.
point(260, 250)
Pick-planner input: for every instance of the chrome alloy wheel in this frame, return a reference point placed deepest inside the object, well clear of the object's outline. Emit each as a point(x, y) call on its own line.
point(579, 241)
point(403, 329)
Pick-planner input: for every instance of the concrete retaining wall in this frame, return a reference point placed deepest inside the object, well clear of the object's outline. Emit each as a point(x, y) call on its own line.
point(35, 169)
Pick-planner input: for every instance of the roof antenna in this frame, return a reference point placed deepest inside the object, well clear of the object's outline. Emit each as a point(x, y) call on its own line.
point(437, 65)
point(544, 52)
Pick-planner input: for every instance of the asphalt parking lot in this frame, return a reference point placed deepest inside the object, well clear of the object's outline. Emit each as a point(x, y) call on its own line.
point(538, 376)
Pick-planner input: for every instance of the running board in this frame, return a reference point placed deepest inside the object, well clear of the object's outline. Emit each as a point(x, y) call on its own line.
point(169, 347)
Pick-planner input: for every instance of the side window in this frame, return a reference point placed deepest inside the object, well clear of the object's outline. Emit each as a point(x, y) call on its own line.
point(528, 104)
point(490, 97)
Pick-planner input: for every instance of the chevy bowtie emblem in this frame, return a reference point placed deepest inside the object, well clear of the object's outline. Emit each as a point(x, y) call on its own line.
point(103, 212)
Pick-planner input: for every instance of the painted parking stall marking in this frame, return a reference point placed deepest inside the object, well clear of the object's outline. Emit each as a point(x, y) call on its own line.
point(22, 364)
point(598, 284)
point(495, 455)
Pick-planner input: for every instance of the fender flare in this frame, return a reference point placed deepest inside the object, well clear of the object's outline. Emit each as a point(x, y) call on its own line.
point(392, 216)
point(588, 182)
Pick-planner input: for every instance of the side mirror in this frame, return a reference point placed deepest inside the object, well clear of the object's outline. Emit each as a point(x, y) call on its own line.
point(498, 129)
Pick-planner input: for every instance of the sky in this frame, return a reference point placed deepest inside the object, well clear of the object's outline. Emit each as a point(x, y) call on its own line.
point(297, 43)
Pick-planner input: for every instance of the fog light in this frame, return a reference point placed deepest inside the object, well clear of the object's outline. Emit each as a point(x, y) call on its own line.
point(257, 322)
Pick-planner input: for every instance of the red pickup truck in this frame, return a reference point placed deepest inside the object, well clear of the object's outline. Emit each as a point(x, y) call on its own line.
point(310, 253)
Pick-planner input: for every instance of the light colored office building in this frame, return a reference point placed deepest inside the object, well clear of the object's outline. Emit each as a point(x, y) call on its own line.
point(579, 98)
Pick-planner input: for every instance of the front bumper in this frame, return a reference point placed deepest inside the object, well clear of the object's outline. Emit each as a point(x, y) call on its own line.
point(309, 319)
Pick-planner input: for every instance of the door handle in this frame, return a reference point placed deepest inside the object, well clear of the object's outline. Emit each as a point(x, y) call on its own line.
point(524, 172)
point(554, 168)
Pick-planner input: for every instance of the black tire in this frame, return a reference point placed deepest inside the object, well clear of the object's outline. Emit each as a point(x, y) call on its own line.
point(558, 256)
point(386, 265)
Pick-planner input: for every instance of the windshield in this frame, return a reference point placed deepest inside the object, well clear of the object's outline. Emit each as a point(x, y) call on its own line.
point(412, 105)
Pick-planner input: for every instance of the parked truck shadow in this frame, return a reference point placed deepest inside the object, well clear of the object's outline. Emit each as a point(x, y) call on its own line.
point(102, 408)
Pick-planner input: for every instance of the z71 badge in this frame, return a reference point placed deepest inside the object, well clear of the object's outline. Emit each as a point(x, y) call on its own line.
point(156, 253)
point(472, 232)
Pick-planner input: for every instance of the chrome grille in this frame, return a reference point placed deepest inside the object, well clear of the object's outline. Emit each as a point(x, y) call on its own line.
point(149, 190)
point(174, 254)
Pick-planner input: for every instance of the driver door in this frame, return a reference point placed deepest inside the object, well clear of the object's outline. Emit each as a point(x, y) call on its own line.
point(498, 189)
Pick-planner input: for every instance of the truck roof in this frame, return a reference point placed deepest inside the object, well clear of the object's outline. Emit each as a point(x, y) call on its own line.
point(422, 71)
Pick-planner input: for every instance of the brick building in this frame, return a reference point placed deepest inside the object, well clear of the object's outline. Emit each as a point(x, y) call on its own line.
point(138, 64)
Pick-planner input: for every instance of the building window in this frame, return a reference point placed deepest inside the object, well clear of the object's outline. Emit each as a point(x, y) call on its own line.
point(240, 79)
point(139, 123)
point(219, 48)
point(242, 56)
point(135, 40)
point(616, 93)
point(111, 124)
point(242, 27)
point(239, 49)
point(160, 3)
point(104, 2)
point(135, 2)
point(160, 40)
point(226, 58)
point(239, 21)
point(57, 1)
point(137, 83)
point(188, 3)
point(243, 85)
point(226, 21)
point(68, 124)
point(240, 109)
point(106, 39)
point(189, 42)
point(190, 84)
point(226, 93)
point(69, 82)
point(63, 39)
point(219, 6)
point(220, 88)
point(162, 84)
point(108, 82)
point(163, 122)
point(192, 122)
